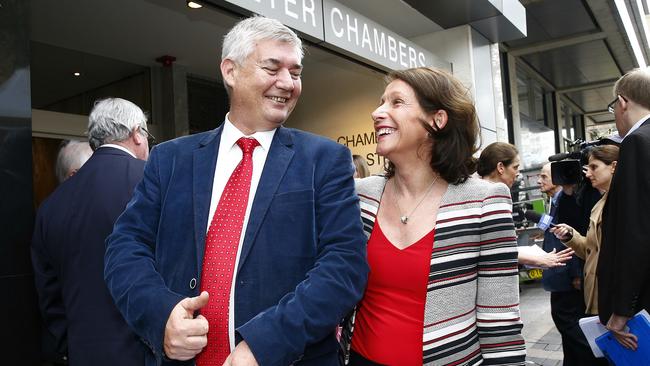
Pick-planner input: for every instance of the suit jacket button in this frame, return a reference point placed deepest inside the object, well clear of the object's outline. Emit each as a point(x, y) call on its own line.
point(193, 283)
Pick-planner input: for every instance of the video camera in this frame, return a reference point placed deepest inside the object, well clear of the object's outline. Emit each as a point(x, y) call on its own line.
point(566, 168)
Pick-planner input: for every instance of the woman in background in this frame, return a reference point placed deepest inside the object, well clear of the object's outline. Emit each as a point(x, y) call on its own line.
point(361, 169)
point(443, 283)
point(602, 164)
point(499, 163)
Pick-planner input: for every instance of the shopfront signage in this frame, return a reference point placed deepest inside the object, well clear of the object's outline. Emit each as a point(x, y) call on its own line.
point(305, 16)
point(358, 35)
point(342, 29)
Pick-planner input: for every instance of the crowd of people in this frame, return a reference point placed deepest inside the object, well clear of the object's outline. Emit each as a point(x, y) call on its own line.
point(251, 244)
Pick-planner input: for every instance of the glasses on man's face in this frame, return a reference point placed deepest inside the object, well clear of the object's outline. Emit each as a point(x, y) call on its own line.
point(150, 138)
point(610, 106)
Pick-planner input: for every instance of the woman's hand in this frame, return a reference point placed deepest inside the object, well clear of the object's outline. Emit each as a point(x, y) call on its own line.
point(563, 232)
point(553, 259)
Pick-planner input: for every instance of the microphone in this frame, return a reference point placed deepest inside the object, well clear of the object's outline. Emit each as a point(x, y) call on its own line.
point(543, 221)
point(532, 216)
point(562, 156)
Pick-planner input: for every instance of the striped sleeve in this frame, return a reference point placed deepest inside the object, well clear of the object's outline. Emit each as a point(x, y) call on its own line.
point(497, 303)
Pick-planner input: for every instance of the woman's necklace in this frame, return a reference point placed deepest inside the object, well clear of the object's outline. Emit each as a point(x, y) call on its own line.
point(405, 218)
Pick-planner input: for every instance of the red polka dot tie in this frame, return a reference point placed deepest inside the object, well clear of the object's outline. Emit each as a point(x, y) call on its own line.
point(220, 254)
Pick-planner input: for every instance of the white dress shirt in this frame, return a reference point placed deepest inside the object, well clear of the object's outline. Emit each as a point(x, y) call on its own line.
point(229, 157)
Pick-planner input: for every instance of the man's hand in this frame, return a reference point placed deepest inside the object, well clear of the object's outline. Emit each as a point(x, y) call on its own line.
point(241, 356)
point(576, 282)
point(616, 325)
point(185, 335)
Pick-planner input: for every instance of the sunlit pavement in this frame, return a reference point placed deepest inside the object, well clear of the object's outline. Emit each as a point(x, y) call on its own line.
point(543, 342)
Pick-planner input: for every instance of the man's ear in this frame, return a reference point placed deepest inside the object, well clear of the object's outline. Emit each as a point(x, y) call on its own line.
point(137, 137)
point(228, 70)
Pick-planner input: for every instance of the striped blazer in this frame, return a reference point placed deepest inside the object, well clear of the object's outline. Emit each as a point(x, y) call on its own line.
point(471, 314)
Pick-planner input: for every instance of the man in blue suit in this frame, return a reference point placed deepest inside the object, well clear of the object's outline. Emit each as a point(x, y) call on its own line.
point(68, 242)
point(298, 261)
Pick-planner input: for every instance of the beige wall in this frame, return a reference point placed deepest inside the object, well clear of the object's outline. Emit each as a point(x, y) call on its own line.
point(337, 99)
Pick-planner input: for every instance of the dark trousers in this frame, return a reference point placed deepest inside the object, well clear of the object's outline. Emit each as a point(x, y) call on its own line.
point(567, 307)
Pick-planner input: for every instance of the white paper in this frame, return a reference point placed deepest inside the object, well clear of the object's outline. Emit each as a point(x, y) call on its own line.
point(592, 329)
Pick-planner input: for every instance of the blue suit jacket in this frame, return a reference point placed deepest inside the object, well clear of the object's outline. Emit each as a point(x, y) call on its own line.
point(302, 265)
point(68, 257)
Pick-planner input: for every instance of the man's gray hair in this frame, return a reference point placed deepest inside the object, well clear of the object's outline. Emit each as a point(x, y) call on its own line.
point(240, 41)
point(113, 120)
point(72, 155)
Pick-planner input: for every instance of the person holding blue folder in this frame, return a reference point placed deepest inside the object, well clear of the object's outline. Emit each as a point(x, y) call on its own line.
point(623, 272)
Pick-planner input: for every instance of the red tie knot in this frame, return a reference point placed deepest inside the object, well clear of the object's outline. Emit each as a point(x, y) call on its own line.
point(247, 145)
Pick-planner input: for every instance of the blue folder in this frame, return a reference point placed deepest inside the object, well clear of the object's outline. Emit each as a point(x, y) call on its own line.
point(621, 356)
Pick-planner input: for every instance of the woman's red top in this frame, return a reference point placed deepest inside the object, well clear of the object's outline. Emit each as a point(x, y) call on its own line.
point(389, 324)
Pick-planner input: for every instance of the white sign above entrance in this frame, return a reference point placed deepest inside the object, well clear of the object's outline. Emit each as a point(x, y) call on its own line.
point(341, 29)
point(305, 16)
point(359, 36)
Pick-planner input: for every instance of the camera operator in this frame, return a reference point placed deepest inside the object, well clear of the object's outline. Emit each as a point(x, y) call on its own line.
point(570, 205)
point(623, 275)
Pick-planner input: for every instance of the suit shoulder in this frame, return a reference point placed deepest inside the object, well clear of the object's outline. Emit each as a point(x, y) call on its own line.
point(312, 140)
point(189, 142)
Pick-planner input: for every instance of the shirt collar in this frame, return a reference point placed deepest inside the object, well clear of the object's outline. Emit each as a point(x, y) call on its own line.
point(636, 125)
point(119, 147)
point(231, 134)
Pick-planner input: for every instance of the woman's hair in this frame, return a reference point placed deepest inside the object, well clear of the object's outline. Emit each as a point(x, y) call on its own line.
point(605, 153)
point(453, 146)
point(493, 154)
point(361, 166)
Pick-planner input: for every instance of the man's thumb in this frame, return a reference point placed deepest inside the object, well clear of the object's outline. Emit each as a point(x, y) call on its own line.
point(195, 303)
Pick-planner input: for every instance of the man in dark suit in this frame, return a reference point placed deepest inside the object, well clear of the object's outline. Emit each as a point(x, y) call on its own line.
point(253, 225)
point(69, 240)
point(623, 275)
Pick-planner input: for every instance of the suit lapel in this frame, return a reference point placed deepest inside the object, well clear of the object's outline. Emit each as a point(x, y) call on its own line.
point(277, 161)
point(204, 164)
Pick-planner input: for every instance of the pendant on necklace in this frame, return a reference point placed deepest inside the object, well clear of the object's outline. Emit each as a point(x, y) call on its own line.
point(403, 219)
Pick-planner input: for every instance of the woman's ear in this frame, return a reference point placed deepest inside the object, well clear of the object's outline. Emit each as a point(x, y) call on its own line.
point(613, 164)
point(501, 168)
point(440, 119)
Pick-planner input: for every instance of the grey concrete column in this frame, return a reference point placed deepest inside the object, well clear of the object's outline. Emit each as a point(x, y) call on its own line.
point(169, 101)
point(514, 99)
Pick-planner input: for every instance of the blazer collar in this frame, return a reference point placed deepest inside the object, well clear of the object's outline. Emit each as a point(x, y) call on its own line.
point(277, 162)
point(204, 164)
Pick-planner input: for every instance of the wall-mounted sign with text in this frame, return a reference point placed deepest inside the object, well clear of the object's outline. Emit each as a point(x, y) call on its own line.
point(305, 16)
point(357, 35)
point(364, 144)
point(342, 29)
